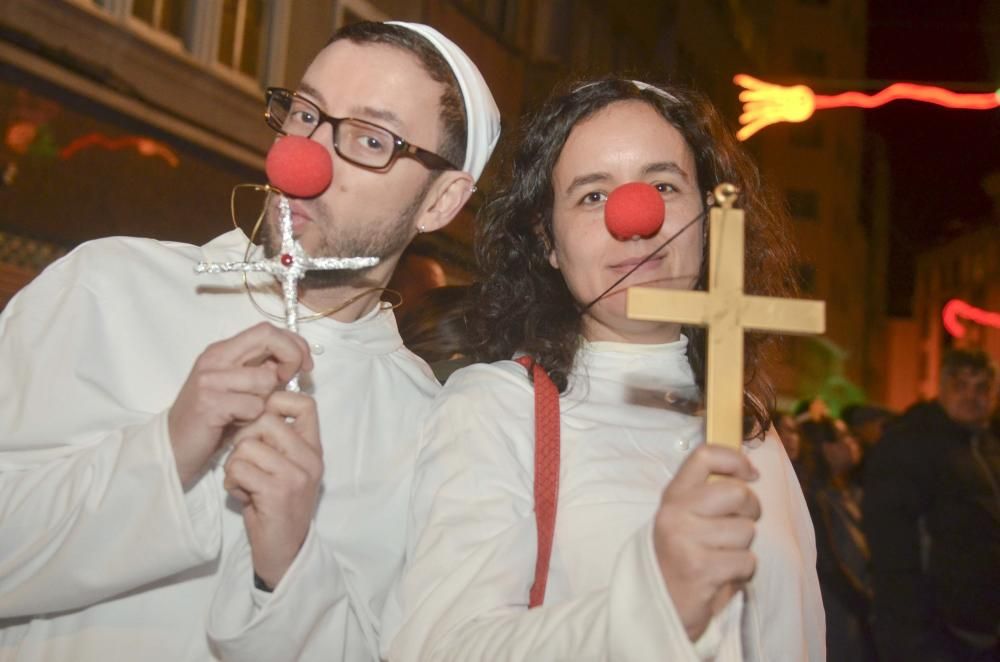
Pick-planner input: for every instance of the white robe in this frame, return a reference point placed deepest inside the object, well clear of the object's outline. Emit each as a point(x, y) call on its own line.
point(472, 541)
point(102, 555)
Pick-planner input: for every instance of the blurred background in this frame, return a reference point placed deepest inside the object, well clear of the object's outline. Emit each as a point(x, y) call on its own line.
point(137, 117)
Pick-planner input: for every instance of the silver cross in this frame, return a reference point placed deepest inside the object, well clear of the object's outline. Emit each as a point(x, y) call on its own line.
point(289, 266)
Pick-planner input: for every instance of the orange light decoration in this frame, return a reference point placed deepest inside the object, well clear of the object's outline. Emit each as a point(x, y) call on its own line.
point(765, 103)
point(145, 146)
point(956, 308)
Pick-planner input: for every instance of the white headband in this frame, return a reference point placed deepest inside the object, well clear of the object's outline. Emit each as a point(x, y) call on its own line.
point(652, 88)
point(638, 83)
point(482, 118)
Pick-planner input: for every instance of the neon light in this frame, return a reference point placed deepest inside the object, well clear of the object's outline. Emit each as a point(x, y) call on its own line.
point(145, 146)
point(766, 103)
point(956, 308)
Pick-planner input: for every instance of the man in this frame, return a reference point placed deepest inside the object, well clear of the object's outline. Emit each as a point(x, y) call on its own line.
point(117, 540)
point(932, 517)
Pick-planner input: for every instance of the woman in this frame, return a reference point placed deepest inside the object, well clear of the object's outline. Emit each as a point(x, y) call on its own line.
point(649, 560)
point(841, 548)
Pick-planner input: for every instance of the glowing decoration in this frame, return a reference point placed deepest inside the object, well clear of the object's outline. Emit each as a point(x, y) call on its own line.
point(956, 308)
point(766, 103)
point(144, 146)
point(20, 135)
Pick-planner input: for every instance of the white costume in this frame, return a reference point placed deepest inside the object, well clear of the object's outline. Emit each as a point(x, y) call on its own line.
point(472, 541)
point(102, 555)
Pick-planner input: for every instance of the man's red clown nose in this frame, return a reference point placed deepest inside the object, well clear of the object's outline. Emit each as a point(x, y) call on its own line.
point(300, 167)
point(634, 210)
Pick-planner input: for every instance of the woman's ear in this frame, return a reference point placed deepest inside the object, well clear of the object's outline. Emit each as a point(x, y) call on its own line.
point(550, 253)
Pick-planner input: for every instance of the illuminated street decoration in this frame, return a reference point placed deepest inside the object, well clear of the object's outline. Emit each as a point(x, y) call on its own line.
point(144, 146)
point(766, 103)
point(956, 308)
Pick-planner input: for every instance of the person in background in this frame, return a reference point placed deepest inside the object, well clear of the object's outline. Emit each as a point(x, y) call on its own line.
point(788, 431)
point(932, 515)
point(867, 423)
point(436, 330)
point(829, 456)
point(415, 275)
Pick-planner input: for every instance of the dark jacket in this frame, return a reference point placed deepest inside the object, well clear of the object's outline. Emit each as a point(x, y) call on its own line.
point(929, 471)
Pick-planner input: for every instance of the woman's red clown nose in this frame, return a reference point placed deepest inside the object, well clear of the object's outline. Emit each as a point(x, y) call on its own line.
point(299, 167)
point(634, 210)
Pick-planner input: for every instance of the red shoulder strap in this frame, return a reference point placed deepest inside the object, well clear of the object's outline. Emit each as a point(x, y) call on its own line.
point(546, 473)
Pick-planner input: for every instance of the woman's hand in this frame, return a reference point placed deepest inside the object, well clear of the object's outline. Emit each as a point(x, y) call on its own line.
point(703, 531)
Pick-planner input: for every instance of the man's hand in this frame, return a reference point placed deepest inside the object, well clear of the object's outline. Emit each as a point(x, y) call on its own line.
point(702, 534)
point(275, 470)
point(228, 384)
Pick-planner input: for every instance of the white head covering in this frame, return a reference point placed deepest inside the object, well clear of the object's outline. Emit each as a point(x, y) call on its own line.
point(482, 117)
point(646, 86)
point(638, 83)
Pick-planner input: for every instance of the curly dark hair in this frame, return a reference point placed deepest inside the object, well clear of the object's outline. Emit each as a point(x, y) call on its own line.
point(522, 304)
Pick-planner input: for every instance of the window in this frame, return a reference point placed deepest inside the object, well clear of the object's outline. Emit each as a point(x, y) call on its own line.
point(803, 204)
point(164, 15)
point(241, 35)
point(499, 16)
point(552, 39)
point(246, 37)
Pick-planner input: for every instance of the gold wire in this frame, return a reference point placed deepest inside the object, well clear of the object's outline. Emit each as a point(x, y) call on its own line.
point(251, 244)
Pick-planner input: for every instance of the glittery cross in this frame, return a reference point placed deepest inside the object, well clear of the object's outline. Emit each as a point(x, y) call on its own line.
point(289, 266)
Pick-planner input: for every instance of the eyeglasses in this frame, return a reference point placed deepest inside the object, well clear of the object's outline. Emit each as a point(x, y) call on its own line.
point(360, 142)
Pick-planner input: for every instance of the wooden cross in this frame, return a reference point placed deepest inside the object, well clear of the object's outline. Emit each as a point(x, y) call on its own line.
point(726, 312)
point(289, 266)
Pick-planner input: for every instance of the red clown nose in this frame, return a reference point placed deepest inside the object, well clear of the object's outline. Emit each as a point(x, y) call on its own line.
point(299, 167)
point(634, 210)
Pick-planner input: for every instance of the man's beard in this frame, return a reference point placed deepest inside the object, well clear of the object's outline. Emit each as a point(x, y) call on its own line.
point(388, 239)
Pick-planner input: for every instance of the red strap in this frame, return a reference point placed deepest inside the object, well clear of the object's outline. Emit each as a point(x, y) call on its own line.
point(546, 473)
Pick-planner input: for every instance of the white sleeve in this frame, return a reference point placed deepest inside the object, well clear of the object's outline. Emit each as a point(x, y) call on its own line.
point(90, 501)
point(313, 613)
point(463, 595)
point(784, 619)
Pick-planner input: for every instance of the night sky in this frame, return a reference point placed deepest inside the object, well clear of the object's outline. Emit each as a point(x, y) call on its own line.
point(937, 156)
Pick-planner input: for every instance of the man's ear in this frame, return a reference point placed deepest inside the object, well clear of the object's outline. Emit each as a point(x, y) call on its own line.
point(446, 197)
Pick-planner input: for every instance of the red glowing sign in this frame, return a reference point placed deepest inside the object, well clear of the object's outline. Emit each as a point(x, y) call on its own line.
point(144, 146)
point(766, 103)
point(956, 308)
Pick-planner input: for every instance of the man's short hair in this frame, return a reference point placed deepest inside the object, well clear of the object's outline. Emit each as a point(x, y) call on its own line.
point(976, 360)
point(454, 130)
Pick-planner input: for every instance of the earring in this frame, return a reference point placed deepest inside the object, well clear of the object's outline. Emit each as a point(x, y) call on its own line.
point(421, 229)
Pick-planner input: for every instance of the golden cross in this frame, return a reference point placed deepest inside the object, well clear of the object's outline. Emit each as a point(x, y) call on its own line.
point(726, 312)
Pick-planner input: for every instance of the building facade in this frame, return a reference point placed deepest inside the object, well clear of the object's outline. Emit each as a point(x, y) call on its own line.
point(140, 116)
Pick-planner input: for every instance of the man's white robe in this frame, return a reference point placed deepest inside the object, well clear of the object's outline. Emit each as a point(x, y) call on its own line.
point(472, 544)
point(103, 556)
